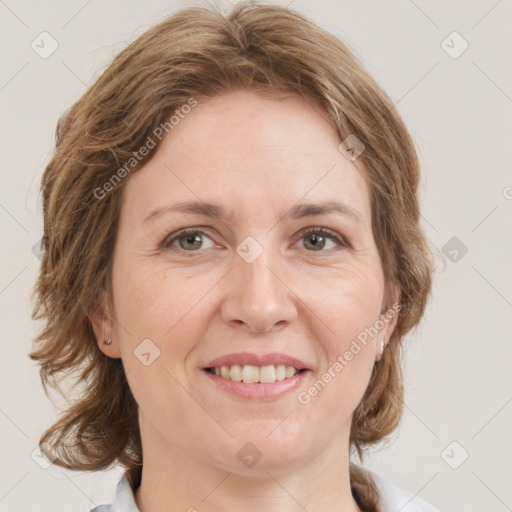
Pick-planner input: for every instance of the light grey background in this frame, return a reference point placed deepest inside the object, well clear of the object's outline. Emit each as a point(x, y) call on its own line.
point(459, 112)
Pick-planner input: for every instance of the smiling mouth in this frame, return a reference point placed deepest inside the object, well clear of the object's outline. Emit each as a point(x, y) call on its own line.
point(251, 374)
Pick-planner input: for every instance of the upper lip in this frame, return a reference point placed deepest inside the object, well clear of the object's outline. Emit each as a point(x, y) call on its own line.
point(243, 358)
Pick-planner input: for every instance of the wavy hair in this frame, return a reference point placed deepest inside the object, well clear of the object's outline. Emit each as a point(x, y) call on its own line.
point(200, 52)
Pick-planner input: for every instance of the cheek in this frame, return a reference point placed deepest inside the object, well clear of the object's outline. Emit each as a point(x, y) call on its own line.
point(153, 300)
point(346, 299)
point(156, 304)
point(346, 304)
point(171, 308)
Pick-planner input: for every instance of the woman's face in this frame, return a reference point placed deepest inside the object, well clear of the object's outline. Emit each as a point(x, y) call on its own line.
point(254, 276)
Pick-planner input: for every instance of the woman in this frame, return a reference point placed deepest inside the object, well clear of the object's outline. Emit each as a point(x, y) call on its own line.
point(232, 259)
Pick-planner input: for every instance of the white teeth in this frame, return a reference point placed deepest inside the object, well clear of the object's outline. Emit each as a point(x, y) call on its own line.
point(268, 373)
point(290, 371)
point(280, 372)
point(251, 373)
point(235, 373)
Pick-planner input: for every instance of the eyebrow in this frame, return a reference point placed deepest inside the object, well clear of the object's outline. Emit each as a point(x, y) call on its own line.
point(216, 211)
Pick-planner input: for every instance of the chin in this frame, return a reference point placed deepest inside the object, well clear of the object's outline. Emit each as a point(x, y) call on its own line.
point(258, 451)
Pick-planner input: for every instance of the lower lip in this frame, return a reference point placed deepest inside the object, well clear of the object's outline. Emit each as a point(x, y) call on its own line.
point(258, 390)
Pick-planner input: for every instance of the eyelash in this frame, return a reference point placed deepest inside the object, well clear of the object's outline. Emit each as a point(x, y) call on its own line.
point(331, 235)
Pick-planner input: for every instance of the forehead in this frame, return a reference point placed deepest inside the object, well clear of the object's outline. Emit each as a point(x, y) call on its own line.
point(248, 152)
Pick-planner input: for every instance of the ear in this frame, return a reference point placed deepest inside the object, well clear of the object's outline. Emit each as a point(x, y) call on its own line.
point(390, 313)
point(103, 326)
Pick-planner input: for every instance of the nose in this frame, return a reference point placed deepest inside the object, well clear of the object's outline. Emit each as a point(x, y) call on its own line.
point(258, 299)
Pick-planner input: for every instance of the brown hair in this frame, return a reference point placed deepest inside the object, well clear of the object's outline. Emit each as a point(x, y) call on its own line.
point(196, 53)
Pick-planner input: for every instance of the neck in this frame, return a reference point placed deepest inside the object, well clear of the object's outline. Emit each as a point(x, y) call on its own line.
point(176, 480)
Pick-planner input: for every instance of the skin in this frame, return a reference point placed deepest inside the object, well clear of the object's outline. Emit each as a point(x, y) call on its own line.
point(259, 156)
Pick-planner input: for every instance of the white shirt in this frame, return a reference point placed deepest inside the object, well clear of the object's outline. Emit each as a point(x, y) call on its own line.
point(393, 498)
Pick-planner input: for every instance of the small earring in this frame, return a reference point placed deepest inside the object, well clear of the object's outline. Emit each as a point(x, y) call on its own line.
point(381, 353)
point(108, 342)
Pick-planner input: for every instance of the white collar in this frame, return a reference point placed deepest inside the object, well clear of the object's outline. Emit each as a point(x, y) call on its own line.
point(393, 498)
